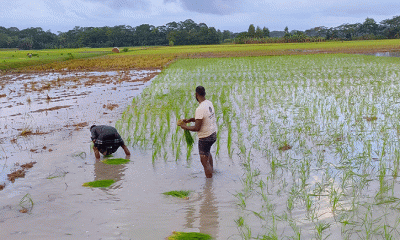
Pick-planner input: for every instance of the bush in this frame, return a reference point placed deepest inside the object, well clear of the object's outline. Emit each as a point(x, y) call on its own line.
point(125, 49)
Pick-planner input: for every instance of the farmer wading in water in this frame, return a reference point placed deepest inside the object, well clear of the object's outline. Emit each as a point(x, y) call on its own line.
point(206, 128)
point(106, 140)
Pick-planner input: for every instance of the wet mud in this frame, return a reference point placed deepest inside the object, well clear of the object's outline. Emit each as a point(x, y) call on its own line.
point(46, 147)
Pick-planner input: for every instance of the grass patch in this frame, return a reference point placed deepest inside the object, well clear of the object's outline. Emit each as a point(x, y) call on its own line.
point(179, 194)
point(115, 161)
point(160, 56)
point(189, 236)
point(99, 183)
point(17, 59)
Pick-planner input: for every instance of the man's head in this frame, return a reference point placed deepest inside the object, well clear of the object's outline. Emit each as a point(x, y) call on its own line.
point(200, 93)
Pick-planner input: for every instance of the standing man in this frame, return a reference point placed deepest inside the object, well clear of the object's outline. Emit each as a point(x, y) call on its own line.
point(206, 126)
point(106, 140)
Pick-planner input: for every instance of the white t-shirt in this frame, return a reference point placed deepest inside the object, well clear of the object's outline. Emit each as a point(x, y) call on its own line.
point(206, 112)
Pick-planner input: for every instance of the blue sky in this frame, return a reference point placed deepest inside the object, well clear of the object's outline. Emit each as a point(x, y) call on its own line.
point(233, 15)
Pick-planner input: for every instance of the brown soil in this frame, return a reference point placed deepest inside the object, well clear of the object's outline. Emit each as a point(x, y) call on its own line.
point(284, 148)
point(24, 210)
point(28, 165)
point(79, 126)
point(17, 174)
point(369, 119)
point(28, 132)
point(51, 109)
point(2, 186)
point(110, 106)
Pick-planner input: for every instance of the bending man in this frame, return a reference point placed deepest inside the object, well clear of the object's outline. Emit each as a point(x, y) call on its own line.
point(106, 140)
point(206, 128)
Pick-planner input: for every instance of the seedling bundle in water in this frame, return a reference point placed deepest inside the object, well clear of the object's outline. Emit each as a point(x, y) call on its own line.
point(99, 183)
point(179, 194)
point(115, 161)
point(189, 236)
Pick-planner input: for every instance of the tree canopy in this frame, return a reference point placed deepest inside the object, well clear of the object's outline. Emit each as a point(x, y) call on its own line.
point(188, 33)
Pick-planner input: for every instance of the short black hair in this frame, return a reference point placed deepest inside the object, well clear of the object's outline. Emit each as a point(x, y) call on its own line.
point(201, 91)
point(92, 127)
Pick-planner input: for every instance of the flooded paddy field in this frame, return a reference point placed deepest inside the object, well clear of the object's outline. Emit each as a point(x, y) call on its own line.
point(45, 120)
point(307, 148)
point(315, 140)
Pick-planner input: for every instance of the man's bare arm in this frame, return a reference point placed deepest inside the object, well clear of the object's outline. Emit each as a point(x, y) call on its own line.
point(195, 128)
point(96, 153)
point(126, 150)
point(189, 120)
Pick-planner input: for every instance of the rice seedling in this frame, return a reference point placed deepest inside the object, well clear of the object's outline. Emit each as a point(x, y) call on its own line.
point(338, 161)
point(321, 227)
point(99, 183)
point(184, 194)
point(189, 235)
point(26, 203)
point(57, 174)
point(115, 161)
point(82, 155)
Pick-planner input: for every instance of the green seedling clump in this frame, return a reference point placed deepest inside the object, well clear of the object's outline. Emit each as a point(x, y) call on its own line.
point(337, 113)
point(179, 194)
point(99, 183)
point(189, 236)
point(115, 161)
point(189, 138)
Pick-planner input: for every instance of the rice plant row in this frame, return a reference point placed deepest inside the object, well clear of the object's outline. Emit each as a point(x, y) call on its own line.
point(316, 135)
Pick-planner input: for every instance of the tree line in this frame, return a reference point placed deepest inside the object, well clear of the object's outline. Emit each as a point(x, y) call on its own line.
point(188, 33)
point(174, 33)
point(368, 30)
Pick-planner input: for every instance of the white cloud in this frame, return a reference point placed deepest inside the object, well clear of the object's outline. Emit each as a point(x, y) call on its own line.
point(234, 15)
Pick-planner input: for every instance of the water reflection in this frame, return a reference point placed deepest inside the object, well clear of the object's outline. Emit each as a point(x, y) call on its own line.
point(104, 171)
point(385, 54)
point(208, 213)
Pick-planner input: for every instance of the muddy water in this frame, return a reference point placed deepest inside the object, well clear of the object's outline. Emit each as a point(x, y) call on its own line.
point(385, 54)
point(56, 111)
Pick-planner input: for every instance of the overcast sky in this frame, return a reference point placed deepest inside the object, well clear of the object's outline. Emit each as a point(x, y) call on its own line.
point(233, 15)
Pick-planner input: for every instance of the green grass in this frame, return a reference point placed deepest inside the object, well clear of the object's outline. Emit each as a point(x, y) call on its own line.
point(115, 161)
point(179, 194)
point(15, 59)
point(99, 183)
point(189, 236)
point(160, 56)
point(269, 48)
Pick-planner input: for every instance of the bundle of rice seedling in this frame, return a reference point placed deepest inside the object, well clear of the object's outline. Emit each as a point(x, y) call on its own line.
point(189, 235)
point(99, 183)
point(115, 161)
point(179, 194)
point(188, 136)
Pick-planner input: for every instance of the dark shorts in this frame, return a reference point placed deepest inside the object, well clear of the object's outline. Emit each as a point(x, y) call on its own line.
point(107, 149)
point(206, 143)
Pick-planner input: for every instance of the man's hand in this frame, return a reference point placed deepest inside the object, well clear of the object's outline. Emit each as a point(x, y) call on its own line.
point(96, 153)
point(182, 122)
